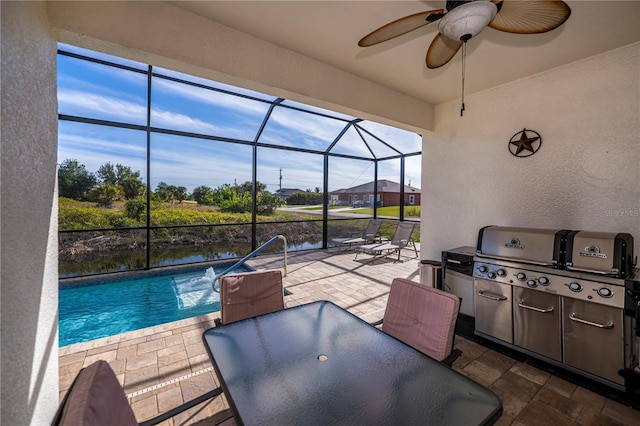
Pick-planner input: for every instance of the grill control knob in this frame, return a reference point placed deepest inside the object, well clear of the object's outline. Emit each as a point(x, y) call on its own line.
point(604, 292)
point(543, 280)
point(501, 272)
point(521, 276)
point(574, 286)
point(483, 269)
point(532, 283)
point(491, 275)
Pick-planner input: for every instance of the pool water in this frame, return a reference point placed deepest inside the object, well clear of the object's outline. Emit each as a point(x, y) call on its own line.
point(93, 309)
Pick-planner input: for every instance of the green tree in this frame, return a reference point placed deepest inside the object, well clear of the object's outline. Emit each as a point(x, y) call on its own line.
point(238, 203)
point(179, 193)
point(135, 208)
point(132, 187)
point(247, 187)
point(267, 203)
point(105, 194)
point(164, 193)
point(122, 176)
point(171, 193)
point(224, 192)
point(232, 199)
point(202, 194)
point(107, 174)
point(74, 181)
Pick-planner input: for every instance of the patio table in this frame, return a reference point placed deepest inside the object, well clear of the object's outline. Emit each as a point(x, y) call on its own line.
point(319, 364)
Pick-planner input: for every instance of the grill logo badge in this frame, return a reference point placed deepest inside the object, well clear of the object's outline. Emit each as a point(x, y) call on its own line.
point(592, 251)
point(515, 244)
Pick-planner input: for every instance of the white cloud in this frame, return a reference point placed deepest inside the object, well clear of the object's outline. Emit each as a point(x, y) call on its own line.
point(93, 152)
point(217, 99)
point(85, 103)
point(109, 108)
point(311, 126)
point(172, 120)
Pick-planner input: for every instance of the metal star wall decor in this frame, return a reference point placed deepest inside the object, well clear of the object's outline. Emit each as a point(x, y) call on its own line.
point(524, 144)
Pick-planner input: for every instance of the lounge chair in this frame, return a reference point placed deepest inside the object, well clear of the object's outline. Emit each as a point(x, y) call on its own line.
point(96, 398)
point(369, 235)
point(400, 240)
point(423, 318)
point(250, 294)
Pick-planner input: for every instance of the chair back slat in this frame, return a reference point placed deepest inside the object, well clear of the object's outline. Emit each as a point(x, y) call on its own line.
point(250, 294)
point(96, 399)
point(422, 317)
point(402, 236)
point(372, 229)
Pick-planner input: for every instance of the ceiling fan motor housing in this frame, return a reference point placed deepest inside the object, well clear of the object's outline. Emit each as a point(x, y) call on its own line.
point(465, 19)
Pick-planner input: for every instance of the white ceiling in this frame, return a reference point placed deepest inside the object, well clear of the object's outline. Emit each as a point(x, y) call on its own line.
point(329, 31)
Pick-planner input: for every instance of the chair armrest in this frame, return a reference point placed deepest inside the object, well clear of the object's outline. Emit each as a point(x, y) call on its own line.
point(455, 354)
point(377, 323)
point(179, 409)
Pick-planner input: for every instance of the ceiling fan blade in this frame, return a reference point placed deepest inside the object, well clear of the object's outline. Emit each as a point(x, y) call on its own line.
point(401, 26)
point(441, 50)
point(530, 16)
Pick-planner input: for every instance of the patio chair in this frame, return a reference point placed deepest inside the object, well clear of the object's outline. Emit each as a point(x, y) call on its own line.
point(369, 235)
point(423, 318)
point(96, 398)
point(250, 294)
point(401, 239)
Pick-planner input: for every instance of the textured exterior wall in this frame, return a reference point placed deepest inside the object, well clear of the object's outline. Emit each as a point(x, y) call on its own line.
point(162, 34)
point(29, 357)
point(585, 176)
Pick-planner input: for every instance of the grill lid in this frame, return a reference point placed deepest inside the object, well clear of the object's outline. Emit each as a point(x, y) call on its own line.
point(600, 252)
point(528, 245)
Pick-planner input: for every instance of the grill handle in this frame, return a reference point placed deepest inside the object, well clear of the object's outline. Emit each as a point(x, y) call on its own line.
point(496, 297)
point(593, 271)
point(513, 259)
point(573, 317)
point(533, 308)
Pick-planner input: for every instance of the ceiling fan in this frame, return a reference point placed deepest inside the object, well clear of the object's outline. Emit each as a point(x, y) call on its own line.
point(463, 20)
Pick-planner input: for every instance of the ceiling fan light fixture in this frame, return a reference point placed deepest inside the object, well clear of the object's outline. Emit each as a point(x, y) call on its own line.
point(467, 20)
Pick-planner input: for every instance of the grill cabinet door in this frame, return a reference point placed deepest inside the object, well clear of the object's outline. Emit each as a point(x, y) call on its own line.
point(493, 309)
point(536, 322)
point(593, 338)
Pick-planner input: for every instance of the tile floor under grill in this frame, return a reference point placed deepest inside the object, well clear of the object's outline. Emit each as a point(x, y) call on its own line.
point(162, 366)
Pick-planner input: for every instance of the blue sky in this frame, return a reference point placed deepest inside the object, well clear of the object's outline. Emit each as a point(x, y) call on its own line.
point(97, 91)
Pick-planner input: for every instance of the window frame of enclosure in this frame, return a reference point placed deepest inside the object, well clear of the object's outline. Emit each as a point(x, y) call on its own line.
point(255, 143)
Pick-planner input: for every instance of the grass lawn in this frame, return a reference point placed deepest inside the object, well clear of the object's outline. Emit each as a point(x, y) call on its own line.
point(390, 211)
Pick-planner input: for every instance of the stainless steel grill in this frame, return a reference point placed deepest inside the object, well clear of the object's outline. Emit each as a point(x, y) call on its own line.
point(558, 295)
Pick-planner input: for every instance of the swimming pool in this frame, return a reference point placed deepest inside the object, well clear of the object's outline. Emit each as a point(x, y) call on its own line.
point(105, 307)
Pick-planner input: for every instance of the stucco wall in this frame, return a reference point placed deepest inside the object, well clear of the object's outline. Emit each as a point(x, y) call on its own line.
point(29, 356)
point(585, 176)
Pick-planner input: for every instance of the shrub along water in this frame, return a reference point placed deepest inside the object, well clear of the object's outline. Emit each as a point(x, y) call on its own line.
point(204, 233)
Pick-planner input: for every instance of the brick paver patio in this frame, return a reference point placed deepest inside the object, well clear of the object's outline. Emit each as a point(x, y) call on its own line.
point(162, 366)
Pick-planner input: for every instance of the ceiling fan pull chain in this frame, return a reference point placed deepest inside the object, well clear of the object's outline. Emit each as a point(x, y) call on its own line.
point(464, 57)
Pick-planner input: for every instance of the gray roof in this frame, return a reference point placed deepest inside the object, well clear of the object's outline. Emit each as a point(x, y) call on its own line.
point(287, 191)
point(383, 186)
